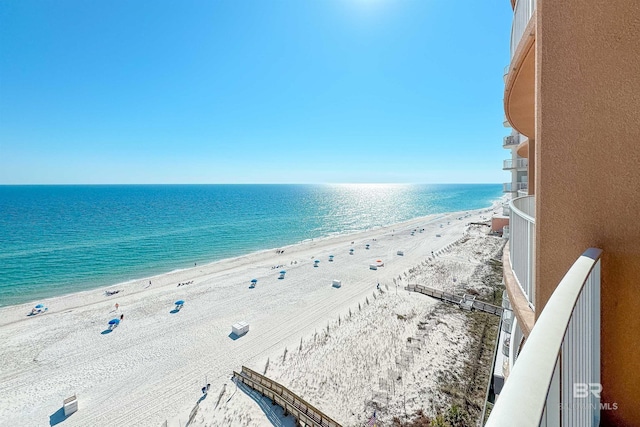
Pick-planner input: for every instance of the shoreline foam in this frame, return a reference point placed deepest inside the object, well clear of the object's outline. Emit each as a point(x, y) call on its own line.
point(153, 365)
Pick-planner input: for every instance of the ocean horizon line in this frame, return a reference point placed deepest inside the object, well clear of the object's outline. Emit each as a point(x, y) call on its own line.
point(64, 239)
point(241, 183)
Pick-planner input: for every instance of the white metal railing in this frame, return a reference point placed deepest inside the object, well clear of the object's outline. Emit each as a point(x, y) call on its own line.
point(522, 244)
point(506, 304)
point(559, 364)
point(509, 187)
point(517, 164)
point(522, 193)
point(521, 16)
point(510, 141)
point(515, 339)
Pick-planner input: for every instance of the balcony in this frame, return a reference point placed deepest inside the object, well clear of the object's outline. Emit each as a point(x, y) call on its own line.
point(521, 16)
point(510, 141)
point(519, 94)
point(522, 231)
point(517, 164)
point(509, 187)
point(558, 367)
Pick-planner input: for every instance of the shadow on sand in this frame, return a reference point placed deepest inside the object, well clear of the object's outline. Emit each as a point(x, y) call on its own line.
point(106, 331)
point(57, 417)
point(174, 311)
point(274, 413)
point(233, 336)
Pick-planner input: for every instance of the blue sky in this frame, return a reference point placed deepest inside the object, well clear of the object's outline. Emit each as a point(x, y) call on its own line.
point(252, 91)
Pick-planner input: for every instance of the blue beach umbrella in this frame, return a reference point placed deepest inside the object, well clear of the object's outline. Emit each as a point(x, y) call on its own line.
point(254, 280)
point(114, 321)
point(330, 256)
point(283, 271)
point(39, 306)
point(180, 302)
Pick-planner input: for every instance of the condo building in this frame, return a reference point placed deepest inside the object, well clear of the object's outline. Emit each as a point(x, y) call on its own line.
point(570, 337)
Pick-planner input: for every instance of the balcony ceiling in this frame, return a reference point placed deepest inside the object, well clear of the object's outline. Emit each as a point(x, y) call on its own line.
point(519, 96)
point(523, 149)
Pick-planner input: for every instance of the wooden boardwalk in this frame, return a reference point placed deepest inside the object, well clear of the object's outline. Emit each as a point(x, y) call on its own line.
point(455, 299)
point(306, 414)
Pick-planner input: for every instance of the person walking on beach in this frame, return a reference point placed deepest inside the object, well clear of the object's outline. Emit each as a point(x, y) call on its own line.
point(117, 306)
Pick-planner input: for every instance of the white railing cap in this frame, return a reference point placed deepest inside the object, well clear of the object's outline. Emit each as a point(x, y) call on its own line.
point(522, 400)
point(518, 211)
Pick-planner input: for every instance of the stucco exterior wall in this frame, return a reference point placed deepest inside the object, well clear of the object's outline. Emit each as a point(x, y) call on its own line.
point(498, 223)
point(587, 172)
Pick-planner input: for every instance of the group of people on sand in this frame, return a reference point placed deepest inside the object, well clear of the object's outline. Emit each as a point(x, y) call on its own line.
point(185, 283)
point(109, 293)
point(280, 251)
point(277, 266)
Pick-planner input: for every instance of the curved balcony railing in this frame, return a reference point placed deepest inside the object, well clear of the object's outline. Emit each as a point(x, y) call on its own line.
point(510, 141)
point(522, 237)
point(517, 164)
point(509, 187)
point(521, 16)
point(556, 379)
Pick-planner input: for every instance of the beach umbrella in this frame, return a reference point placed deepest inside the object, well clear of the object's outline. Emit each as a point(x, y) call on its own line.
point(39, 306)
point(330, 256)
point(317, 260)
point(254, 280)
point(180, 302)
point(282, 271)
point(114, 321)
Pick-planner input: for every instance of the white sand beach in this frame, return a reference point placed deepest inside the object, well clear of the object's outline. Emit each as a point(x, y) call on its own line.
point(151, 368)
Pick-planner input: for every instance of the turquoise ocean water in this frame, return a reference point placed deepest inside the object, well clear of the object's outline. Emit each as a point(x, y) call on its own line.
point(60, 239)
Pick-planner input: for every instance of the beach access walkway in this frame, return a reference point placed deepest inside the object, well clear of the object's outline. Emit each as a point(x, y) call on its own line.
point(306, 414)
point(463, 301)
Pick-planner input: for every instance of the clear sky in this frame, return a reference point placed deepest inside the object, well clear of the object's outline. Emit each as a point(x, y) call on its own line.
point(252, 91)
